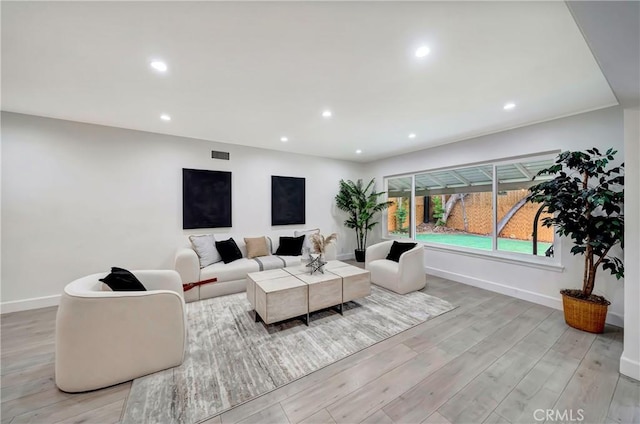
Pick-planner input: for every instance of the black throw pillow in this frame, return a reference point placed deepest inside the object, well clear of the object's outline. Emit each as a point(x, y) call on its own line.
point(122, 280)
point(229, 250)
point(398, 249)
point(290, 246)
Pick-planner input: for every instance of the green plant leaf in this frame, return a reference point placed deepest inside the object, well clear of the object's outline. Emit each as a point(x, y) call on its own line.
point(585, 197)
point(361, 204)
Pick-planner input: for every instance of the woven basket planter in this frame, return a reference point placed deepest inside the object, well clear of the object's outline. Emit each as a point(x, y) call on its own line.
point(584, 315)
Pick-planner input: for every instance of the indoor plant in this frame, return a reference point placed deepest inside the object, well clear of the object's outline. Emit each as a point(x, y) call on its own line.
point(585, 200)
point(361, 203)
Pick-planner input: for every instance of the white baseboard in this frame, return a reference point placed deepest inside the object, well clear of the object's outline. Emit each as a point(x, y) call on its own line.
point(615, 319)
point(540, 299)
point(46, 301)
point(345, 256)
point(629, 367)
point(27, 304)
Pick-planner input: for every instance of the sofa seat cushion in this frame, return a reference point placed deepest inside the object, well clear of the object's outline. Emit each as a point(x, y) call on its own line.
point(236, 270)
point(276, 262)
point(291, 260)
point(383, 271)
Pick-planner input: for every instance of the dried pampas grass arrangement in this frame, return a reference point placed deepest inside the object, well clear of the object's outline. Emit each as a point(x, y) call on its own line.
point(320, 242)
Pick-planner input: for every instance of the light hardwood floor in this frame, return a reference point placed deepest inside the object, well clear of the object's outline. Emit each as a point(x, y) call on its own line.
point(495, 359)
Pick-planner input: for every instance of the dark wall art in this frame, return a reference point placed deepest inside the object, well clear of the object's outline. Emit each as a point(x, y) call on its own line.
point(287, 200)
point(206, 199)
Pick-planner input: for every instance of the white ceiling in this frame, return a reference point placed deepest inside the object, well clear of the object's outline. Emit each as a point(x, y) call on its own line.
point(612, 30)
point(249, 73)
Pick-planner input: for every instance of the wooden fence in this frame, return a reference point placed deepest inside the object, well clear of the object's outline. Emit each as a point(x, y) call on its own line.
point(477, 207)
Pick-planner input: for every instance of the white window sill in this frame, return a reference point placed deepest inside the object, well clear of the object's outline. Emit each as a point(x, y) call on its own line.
point(498, 256)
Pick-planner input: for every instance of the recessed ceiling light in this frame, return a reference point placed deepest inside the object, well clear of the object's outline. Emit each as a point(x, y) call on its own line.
point(327, 114)
point(284, 139)
point(412, 135)
point(422, 51)
point(159, 66)
point(358, 151)
point(165, 117)
point(509, 106)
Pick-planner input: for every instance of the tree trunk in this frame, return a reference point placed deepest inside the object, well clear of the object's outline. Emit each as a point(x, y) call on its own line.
point(589, 269)
point(505, 219)
point(590, 272)
point(464, 214)
point(448, 207)
point(366, 233)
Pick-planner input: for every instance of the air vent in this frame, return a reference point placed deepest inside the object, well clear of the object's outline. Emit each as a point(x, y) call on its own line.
point(219, 155)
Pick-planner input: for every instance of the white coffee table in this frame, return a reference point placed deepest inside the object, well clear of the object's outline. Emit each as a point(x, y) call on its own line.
point(279, 298)
point(280, 294)
point(356, 282)
point(325, 290)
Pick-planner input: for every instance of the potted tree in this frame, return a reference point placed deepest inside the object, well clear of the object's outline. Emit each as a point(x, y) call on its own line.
point(361, 203)
point(585, 199)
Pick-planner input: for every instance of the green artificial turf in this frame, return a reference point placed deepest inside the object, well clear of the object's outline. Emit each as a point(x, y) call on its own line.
point(474, 241)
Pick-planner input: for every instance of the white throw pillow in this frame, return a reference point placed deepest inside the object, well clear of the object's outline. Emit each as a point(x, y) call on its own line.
point(307, 240)
point(205, 247)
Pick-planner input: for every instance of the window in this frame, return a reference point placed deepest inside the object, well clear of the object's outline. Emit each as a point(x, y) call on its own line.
point(480, 207)
point(399, 213)
point(516, 216)
point(459, 207)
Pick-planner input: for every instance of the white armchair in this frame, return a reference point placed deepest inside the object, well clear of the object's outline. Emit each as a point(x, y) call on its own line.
point(402, 277)
point(105, 338)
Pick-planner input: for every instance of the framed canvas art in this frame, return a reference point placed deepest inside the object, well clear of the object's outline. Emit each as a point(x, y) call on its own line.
point(206, 199)
point(287, 200)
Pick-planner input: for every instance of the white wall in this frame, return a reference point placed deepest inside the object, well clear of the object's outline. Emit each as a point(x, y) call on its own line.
point(630, 360)
point(80, 198)
point(603, 128)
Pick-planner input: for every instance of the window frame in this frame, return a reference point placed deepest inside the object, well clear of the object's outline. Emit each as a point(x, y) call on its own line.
point(412, 217)
point(550, 263)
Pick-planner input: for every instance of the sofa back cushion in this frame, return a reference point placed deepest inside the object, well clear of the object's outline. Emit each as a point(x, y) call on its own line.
point(205, 247)
point(229, 250)
point(290, 246)
point(257, 246)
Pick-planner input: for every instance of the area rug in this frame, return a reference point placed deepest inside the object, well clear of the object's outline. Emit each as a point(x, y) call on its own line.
point(232, 359)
